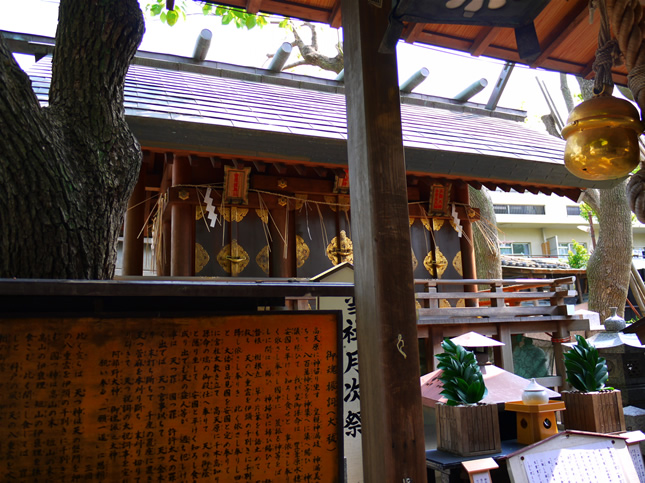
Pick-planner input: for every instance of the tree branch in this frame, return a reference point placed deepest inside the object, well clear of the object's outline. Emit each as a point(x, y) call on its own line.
point(310, 53)
point(92, 58)
point(592, 198)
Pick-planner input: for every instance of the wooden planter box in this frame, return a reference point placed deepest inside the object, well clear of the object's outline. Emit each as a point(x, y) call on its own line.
point(598, 412)
point(468, 430)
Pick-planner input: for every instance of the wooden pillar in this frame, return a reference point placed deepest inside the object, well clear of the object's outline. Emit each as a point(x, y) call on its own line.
point(466, 245)
point(165, 249)
point(281, 263)
point(182, 217)
point(391, 411)
point(134, 219)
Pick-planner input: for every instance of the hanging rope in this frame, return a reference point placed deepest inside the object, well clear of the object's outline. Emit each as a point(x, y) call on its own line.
point(628, 25)
point(607, 54)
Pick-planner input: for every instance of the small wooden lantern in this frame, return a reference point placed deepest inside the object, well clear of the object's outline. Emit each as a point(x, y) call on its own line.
point(535, 422)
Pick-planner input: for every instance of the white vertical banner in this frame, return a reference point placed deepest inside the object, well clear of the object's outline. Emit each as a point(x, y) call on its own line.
point(351, 419)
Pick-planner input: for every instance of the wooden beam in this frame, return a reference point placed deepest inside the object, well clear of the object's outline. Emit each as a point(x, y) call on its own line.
point(301, 169)
point(281, 168)
point(182, 245)
point(335, 17)
point(391, 411)
point(260, 166)
point(320, 171)
point(282, 256)
point(484, 38)
point(562, 31)
point(466, 244)
point(253, 6)
point(413, 32)
point(133, 226)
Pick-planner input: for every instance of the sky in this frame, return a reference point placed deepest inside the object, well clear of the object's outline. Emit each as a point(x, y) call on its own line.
point(450, 71)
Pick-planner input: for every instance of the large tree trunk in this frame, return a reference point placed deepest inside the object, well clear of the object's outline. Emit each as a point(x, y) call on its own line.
point(487, 257)
point(609, 266)
point(67, 170)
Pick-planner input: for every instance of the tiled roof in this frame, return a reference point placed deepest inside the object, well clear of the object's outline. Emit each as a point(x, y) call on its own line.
point(460, 143)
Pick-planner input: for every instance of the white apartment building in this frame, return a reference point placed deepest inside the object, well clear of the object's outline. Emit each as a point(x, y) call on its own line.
point(542, 226)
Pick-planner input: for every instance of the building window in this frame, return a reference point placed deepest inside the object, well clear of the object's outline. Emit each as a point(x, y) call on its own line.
point(573, 211)
point(519, 209)
point(517, 249)
point(565, 248)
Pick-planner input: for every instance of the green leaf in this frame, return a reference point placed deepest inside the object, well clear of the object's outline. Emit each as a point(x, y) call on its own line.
point(163, 16)
point(226, 19)
point(251, 21)
point(156, 9)
point(586, 370)
point(207, 9)
point(171, 17)
point(284, 23)
point(220, 10)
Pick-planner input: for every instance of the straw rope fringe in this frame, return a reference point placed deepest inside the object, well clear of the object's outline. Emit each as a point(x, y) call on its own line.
point(157, 227)
point(628, 25)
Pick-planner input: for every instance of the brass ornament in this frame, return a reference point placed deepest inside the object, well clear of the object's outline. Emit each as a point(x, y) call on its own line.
point(302, 251)
point(262, 259)
point(233, 213)
point(199, 212)
point(282, 183)
point(411, 220)
point(441, 262)
point(443, 303)
point(602, 138)
point(300, 200)
point(458, 265)
point(343, 202)
point(437, 223)
point(415, 262)
point(263, 215)
point(282, 201)
point(183, 194)
point(233, 258)
point(201, 258)
point(339, 251)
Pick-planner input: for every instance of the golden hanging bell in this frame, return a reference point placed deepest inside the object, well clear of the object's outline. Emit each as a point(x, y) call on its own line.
point(602, 138)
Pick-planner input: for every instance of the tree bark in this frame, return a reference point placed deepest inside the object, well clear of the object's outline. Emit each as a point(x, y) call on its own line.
point(566, 92)
point(67, 170)
point(487, 257)
point(609, 266)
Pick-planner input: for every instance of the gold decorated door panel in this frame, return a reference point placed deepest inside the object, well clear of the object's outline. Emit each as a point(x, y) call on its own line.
point(237, 246)
point(323, 230)
point(436, 250)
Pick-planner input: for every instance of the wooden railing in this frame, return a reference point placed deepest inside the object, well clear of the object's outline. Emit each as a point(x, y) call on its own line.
point(449, 308)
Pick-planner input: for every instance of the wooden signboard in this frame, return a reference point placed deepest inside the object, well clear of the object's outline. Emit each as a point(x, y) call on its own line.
point(217, 399)
point(574, 456)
